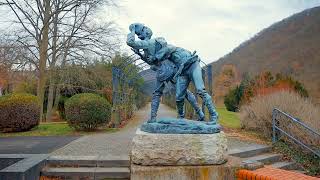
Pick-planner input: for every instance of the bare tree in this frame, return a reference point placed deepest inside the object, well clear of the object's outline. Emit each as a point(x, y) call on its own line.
point(12, 54)
point(12, 57)
point(57, 32)
point(75, 38)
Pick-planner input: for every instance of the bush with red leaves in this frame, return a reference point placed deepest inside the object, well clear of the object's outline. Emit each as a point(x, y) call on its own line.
point(19, 112)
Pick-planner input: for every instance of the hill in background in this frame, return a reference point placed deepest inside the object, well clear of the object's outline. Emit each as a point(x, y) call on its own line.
point(291, 47)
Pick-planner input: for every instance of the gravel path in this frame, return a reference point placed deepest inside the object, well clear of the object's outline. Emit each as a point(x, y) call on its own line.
point(118, 143)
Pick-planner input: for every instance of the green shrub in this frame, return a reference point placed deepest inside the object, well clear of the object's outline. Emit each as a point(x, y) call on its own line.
point(141, 99)
point(261, 85)
point(299, 88)
point(19, 112)
point(233, 98)
point(28, 86)
point(87, 111)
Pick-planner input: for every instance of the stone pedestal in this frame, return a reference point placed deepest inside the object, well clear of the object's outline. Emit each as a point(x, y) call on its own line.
point(224, 171)
point(181, 156)
point(178, 149)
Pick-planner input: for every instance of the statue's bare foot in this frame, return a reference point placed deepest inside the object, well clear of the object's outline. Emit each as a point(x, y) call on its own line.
point(214, 118)
point(212, 121)
point(201, 119)
point(152, 120)
point(201, 115)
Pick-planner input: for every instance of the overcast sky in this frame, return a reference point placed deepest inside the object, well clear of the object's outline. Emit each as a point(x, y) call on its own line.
point(212, 27)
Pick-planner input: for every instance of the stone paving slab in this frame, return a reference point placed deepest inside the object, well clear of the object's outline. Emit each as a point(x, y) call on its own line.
point(246, 149)
point(111, 144)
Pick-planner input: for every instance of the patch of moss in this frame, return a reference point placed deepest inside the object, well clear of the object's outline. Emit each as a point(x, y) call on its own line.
point(310, 162)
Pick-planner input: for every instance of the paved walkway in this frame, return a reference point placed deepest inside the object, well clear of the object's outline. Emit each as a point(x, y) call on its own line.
point(118, 143)
point(33, 144)
point(111, 144)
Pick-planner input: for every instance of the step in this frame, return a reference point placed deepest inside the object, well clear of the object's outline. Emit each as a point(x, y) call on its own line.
point(250, 151)
point(287, 165)
point(265, 158)
point(87, 172)
point(88, 161)
point(299, 171)
point(115, 173)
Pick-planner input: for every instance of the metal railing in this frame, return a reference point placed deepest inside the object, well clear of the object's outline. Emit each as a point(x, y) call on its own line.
point(276, 130)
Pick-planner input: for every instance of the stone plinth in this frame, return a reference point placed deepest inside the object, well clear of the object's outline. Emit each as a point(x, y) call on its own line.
point(150, 149)
point(180, 126)
point(211, 172)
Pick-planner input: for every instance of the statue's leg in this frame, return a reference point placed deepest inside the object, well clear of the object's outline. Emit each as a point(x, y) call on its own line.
point(192, 100)
point(196, 75)
point(155, 102)
point(181, 90)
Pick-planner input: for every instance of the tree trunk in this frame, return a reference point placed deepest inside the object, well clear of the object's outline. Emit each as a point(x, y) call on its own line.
point(44, 42)
point(50, 100)
point(57, 97)
point(52, 66)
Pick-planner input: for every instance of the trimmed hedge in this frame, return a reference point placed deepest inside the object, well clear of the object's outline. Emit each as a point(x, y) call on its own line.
point(19, 112)
point(87, 111)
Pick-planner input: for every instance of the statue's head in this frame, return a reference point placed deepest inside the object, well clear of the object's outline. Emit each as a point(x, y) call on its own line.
point(142, 31)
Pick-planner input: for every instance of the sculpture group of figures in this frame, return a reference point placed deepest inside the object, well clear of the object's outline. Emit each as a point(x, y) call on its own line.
point(172, 64)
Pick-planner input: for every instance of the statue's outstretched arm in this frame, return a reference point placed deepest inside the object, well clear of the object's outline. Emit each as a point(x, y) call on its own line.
point(137, 52)
point(140, 44)
point(142, 56)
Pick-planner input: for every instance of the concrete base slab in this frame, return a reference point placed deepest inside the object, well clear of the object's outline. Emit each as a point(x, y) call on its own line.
point(27, 167)
point(212, 172)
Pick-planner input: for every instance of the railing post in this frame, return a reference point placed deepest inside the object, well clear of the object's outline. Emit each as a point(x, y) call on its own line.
point(274, 138)
point(204, 81)
point(209, 75)
point(115, 115)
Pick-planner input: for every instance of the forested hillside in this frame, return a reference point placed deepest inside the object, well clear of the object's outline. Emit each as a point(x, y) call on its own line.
point(291, 46)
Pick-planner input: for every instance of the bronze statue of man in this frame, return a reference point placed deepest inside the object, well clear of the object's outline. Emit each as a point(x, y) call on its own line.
point(165, 69)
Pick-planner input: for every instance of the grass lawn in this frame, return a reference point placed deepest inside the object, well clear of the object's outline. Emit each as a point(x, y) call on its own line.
point(55, 129)
point(227, 118)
